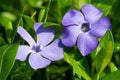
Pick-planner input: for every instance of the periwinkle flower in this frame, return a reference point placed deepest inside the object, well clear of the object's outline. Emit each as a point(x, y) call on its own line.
point(42, 52)
point(84, 28)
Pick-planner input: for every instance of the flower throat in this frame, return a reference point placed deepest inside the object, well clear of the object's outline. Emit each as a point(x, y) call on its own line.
point(85, 27)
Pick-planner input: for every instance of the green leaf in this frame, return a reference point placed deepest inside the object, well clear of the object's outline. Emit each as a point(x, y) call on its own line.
point(62, 8)
point(2, 49)
point(102, 43)
point(56, 69)
point(17, 22)
point(77, 4)
point(7, 59)
point(103, 5)
point(62, 4)
point(2, 41)
point(29, 20)
point(105, 8)
point(50, 24)
point(9, 30)
point(35, 3)
point(5, 17)
point(112, 67)
point(33, 14)
point(104, 55)
point(77, 67)
point(21, 71)
point(41, 15)
point(58, 27)
point(112, 76)
point(46, 11)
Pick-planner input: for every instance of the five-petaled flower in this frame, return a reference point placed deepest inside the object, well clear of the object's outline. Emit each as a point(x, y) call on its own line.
point(42, 52)
point(84, 28)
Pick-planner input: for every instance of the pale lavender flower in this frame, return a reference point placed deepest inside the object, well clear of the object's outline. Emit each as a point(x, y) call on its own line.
point(84, 28)
point(42, 52)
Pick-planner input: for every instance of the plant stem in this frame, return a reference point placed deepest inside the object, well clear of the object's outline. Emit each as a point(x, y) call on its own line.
point(47, 10)
point(48, 74)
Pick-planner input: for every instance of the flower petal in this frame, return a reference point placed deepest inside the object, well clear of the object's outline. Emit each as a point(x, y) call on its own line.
point(25, 35)
point(73, 17)
point(54, 51)
point(23, 52)
point(91, 13)
point(100, 27)
point(44, 35)
point(86, 43)
point(37, 61)
point(69, 35)
point(37, 26)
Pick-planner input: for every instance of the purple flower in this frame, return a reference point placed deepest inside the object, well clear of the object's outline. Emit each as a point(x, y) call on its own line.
point(42, 52)
point(84, 28)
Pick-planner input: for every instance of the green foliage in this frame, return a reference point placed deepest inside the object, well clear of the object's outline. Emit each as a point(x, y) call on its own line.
point(23, 71)
point(41, 15)
point(112, 67)
point(78, 68)
point(101, 64)
point(30, 22)
point(105, 54)
point(35, 3)
point(9, 30)
point(6, 17)
point(112, 76)
point(7, 59)
point(104, 5)
point(77, 4)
